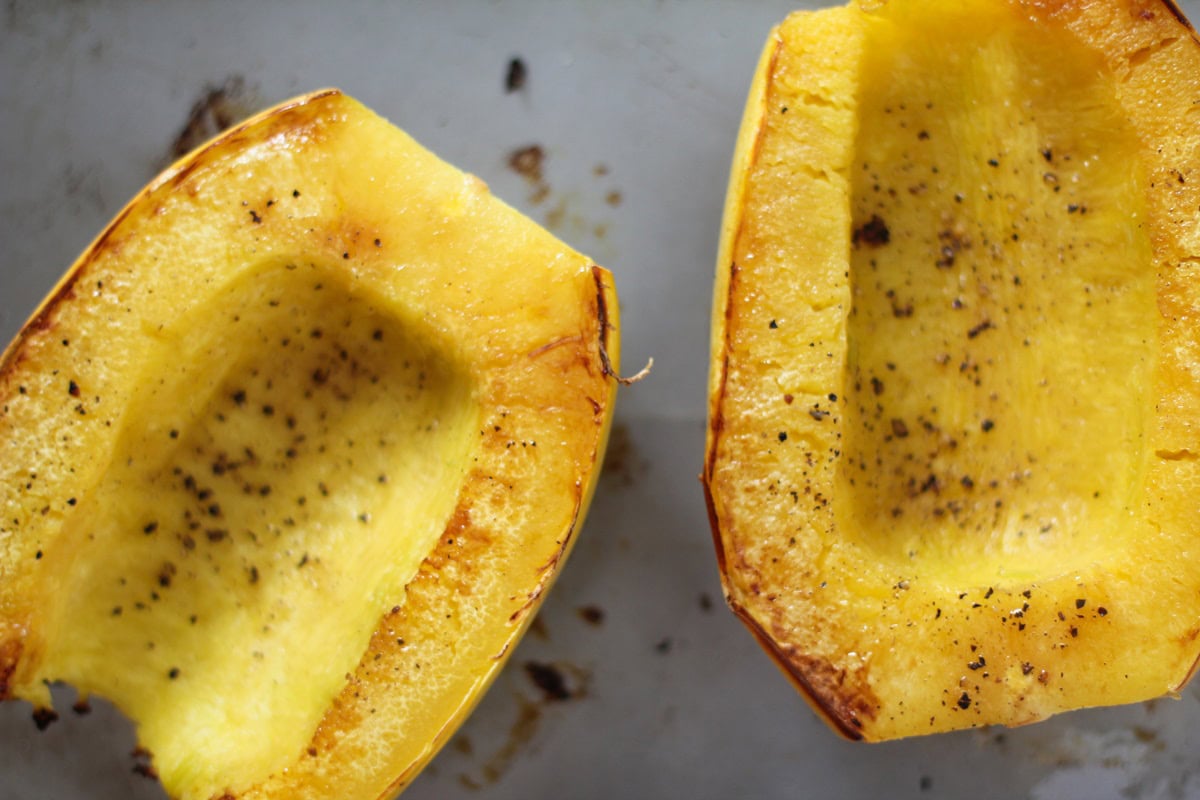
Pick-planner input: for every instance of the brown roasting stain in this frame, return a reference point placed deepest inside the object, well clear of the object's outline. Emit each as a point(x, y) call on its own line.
point(557, 682)
point(1148, 736)
point(527, 162)
point(557, 215)
point(523, 729)
point(549, 679)
point(622, 463)
point(217, 109)
point(538, 629)
point(592, 615)
point(463, 744)
point(516, 76)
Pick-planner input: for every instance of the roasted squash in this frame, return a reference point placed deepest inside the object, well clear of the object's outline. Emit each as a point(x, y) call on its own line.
point(953, 456)
point(292, 454)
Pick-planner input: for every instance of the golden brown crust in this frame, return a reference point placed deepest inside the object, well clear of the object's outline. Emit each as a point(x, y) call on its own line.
point(819, 682)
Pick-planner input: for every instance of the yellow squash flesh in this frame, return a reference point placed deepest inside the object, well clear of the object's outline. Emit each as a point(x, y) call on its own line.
point(952, 462)
point(289, 457)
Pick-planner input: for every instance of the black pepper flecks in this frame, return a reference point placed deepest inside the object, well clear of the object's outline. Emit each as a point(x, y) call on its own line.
point(979, 328)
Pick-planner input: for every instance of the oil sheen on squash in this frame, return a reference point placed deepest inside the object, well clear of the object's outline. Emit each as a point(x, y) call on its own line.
point(951, 456)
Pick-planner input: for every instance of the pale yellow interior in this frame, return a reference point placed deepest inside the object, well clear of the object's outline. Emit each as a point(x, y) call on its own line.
point(1001, 336)
point(293, 454)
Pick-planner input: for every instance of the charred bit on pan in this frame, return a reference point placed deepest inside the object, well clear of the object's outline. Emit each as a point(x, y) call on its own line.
point(549, 679)
point(516, 75)
point(44, 717)
point(592, 614)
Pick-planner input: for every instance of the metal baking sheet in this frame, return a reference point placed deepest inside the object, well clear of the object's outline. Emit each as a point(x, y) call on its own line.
point(635, 106)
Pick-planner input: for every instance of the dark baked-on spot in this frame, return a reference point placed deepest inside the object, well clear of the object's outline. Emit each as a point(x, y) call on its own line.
point(873, 233)
point(216, 109)
point(527, 162)
point(515, 77)
point(549, 679)
point(592, 615)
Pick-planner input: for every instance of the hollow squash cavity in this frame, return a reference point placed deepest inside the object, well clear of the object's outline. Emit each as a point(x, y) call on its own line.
point(294, 452)
point(1001, 331)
